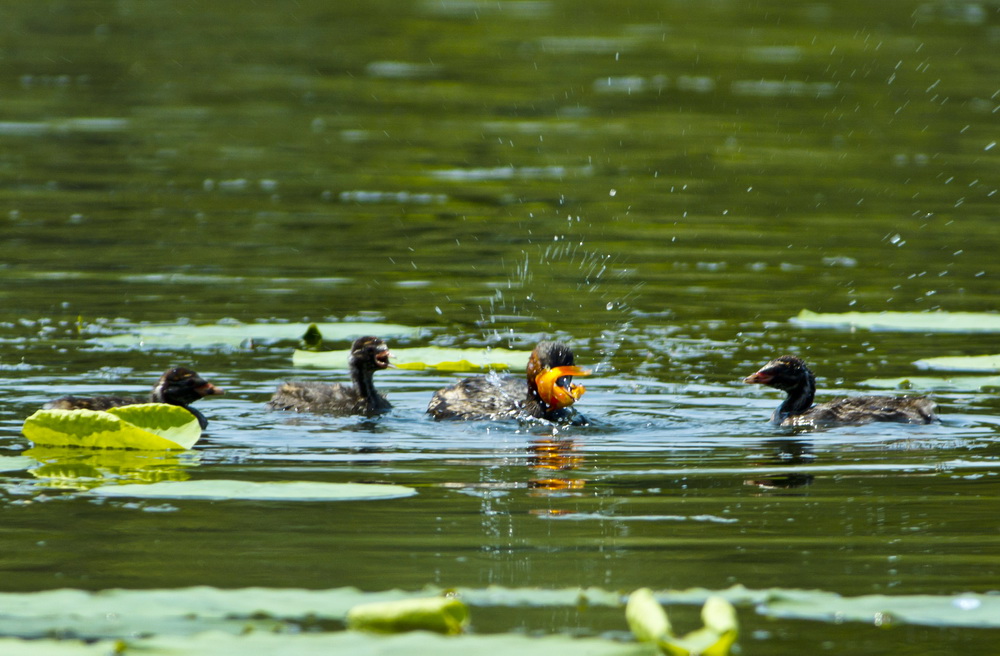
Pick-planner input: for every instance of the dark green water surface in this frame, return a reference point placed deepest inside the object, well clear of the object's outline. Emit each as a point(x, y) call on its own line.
point(661, 184)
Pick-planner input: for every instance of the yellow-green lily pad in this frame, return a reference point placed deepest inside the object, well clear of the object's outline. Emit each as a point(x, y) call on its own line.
point(146, 426)
point(931, 322)
point(439, 614)
point(427, 357)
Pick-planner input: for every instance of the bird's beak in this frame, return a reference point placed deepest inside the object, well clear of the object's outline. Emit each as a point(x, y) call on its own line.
point(556, 394)
point(382, 357)
point(208, 389)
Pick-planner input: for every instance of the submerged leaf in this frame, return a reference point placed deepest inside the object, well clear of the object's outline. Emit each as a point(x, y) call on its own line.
point(248, 490)
point(984, 363)
point(427, 357)
point(146, 426)
point(943, 322)
point(439, 614)
point(646, 617)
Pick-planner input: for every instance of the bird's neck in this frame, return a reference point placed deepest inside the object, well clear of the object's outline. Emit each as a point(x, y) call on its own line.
point(533, 404)
point(799, 399)
point(364, 385)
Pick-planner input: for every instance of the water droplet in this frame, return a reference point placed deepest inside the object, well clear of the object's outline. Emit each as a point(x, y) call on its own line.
point(437, 309)
point(613, 192)
point(610, 306)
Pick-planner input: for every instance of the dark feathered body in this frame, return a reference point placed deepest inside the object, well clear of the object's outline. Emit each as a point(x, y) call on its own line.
point(178, 386)
point(322, 398)
point(368, 355)
point(506, 397)
point(485, 397)
point(866, 409)
point(791, 375)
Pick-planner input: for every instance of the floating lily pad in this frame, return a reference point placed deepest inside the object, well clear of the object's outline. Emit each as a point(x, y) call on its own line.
point(420, 643)
point(204, 620)
point(968, 610)
point(931, 383)
point(961, 363)
point(120, 612)
point(427, 357)
point(146, 426)
point(234, 335)
point(933, 322)
point(247, 490)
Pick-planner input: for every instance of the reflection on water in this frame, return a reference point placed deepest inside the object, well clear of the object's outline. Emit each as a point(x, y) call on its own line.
point(787, 453)
point(662, 186)
point(553, 462)
point(83, 469)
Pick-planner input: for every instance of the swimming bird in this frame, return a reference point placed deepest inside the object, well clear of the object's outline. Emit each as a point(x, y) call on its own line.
point(368, 355)
point(790, 374)
point(546, 392)
point(178, 386)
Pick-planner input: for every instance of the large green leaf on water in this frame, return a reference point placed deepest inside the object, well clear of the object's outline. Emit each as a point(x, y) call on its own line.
point(445, 615)
point(427, 357)
point(147, 426)
point(170, 422)
point(249, 490)
point(984, 363)
point(931, 383)
point(235, 335)
point(932, 322)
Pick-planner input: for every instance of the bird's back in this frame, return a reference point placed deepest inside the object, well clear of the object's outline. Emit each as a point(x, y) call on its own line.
point(322, 398)
point(867, 409)
point(483, 397)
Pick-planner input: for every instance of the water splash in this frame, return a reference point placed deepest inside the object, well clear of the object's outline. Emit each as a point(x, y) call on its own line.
point(543, 277)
